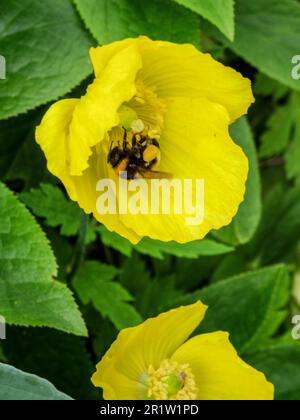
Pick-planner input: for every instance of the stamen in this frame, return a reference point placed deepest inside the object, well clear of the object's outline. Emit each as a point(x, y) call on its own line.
point(137, 126)
point(140, 100)
point(171, 381)
point(127, 116)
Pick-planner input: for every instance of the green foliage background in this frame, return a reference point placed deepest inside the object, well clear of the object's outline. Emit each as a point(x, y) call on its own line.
point(67, 285)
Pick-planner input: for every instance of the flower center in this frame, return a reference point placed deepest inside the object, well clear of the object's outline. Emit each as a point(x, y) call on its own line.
point(171, 381)
point(149, 107)
point(134, 145)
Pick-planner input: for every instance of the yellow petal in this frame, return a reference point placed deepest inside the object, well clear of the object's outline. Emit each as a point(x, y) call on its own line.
point(119, 387)
point(115, 384)
point(195, 144)
point(52, 136)
point(182, 70)
point(100, 56)
point(96, 112)
point(85, 193)
point(148, 344)
point(84, 123)
point(219, 371)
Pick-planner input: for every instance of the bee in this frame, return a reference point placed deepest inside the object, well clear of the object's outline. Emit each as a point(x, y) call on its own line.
point(136, 159)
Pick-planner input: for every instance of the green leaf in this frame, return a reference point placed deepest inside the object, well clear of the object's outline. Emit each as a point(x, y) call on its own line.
point(49, 202)
point(218, 12)
point(157, 249)
point(17, 385)
point(115, 241)
point(265, 86)
point(18, 150)
point(2, 356)
point(134, 275)
point(249, 306)
point(281, 364)
point(112, 20)
point(246, 221)
point(249, 214)
point(267, 36)
point(46, 52)
point(279, 129)
point(191, 273)
point(28, 294)
point(151, 295)
point(231, 265)
point(292, 154)
point(94, 283)
point(279, 230)
point(43, 352)
point(104, 333)
point(155, 296)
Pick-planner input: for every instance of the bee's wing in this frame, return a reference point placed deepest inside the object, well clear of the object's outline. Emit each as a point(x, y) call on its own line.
point(148, 174)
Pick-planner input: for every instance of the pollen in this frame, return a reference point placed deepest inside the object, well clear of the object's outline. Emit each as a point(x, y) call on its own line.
point(151, 153)
point(171, 381)
point(137, 126)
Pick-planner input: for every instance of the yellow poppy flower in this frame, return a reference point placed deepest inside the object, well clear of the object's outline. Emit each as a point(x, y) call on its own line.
point(154, 361)
point(174, 95)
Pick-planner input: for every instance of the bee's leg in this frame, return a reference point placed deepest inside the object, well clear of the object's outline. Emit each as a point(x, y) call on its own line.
point(143, 141)
point(111, 146)
point(110, 150)
point(125, 140)
point(134, 141)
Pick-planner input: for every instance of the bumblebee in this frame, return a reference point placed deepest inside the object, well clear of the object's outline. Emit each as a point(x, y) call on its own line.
point(136, 158)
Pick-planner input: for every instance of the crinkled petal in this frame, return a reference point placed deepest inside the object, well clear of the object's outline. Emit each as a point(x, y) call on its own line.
point(115, 384)
point(195, 144)
point(85, 188)
point(97, 111)
point(148, 344)
point(219, 371)
point(171, 70)
point(182, 70)
point(52, 136)
point(100, 56)
point(119, 387)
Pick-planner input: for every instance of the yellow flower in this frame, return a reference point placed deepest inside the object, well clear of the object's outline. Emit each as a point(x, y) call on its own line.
point(154, 361)
point(172, 93)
